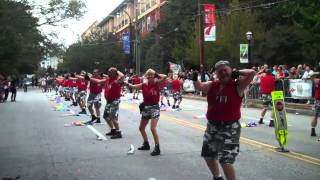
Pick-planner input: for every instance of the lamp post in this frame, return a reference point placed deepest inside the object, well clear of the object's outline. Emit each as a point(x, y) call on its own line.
point(249, 36)
point(131, 40)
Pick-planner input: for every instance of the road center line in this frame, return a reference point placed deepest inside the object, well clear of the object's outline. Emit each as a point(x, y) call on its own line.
point(293, 155)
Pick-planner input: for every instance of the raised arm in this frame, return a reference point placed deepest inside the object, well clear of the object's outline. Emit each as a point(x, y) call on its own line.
point(97, 80)
point(161, 77)
point(246, 76)
point(202, 86)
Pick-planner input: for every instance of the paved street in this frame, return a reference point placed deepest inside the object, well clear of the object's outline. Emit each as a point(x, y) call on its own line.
point(36, 144)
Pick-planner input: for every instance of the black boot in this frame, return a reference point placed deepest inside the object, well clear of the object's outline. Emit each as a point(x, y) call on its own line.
point(112, 132)
point(145, 146)
point(218, 178)
point(156, 150)
point(271, 124)
point(169, 103)
point(98, 120)
point(92, 121)
point(261, 121)
point(117, 135)
point(173, 107)
point(313, 132)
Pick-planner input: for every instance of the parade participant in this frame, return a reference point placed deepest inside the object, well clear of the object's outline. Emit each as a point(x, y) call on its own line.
point(73, 89)
point(82, 84)
point(136, 80)
point(176, 91)
point(164, 92)
point(150, 109)
point(268, 84)
point(94, 98)
point(224, 96)
point(314, 121)
point(67, 87)
point(113, 84)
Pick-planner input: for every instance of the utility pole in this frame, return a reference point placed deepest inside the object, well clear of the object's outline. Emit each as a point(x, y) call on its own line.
point(201, 35)
point(137, 39)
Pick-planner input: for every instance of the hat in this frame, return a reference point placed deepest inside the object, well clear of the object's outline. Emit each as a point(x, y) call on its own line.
point(221, 63)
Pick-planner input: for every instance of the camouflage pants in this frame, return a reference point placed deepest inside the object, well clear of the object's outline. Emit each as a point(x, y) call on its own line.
point(150, 112)
point(317, 106)
point(111, 110)
point(177, 95)
point(221, 141)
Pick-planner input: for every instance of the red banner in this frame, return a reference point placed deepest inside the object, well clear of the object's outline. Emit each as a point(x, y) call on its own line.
point(209, 22)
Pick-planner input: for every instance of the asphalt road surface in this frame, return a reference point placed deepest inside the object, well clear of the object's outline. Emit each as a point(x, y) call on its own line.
point(37, 143)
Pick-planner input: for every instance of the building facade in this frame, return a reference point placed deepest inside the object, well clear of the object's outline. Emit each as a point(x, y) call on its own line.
point(142, 15)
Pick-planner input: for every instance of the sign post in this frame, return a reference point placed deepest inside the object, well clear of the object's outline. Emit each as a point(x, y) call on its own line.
point(281, 123)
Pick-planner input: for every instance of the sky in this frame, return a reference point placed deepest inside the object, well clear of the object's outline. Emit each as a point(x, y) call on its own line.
point(96, 10)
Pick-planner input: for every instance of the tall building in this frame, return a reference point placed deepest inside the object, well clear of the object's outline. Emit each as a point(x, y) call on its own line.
point(144, 16)
point(93, 28)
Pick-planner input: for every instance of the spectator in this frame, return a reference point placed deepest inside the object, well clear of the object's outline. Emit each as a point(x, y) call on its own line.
point(307, 73)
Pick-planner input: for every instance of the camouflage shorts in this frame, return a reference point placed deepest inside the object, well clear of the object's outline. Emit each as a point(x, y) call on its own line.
point(266, 99)
point(177, 95)
point(221, 141)
point(150, 112)
point(317, 106)
point(111, 110)
point(82, 96)
point(164, 92)
point(94, 99)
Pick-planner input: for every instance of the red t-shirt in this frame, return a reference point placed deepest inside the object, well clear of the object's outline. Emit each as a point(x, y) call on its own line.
point(164, 84)
point(82, 84)
point(66, 83)
point(151, 93)
point(95, 88)
point(267, 84)
point(317, 93)
point(112, 90)
point(136, 80)
point(176, 86)
point(73, 83)
point(224, 105)
point(280, 74)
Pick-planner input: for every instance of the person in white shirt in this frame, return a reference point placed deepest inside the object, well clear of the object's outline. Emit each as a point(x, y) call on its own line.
point(307, 73)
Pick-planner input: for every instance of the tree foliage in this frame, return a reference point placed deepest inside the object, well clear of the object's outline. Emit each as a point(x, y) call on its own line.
point(22, 44)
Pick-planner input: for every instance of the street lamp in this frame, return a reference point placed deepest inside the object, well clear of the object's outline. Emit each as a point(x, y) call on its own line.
point(131, 38)
point(249, 36)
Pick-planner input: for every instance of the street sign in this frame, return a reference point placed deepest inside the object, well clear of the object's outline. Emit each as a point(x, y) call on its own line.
point(281, 123)
point(244, 53)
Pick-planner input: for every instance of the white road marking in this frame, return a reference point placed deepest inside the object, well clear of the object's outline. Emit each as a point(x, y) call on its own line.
point(97, 133)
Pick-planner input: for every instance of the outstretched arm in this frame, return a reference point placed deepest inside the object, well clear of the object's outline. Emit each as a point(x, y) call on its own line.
point(136, 86)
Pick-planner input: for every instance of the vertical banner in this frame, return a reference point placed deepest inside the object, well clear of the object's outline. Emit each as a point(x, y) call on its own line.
point(281, 123)
point(209, 22)
point(244, 53)
point(126, 43)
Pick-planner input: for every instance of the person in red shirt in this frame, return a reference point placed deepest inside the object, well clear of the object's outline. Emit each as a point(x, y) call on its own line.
point(268, 84)
point(224, 96)
point(136, 80)
point(314, 121)
point(73, 89)
point(164, 92)
point(94, 98)
point(82, 85)
point(150, 109)
point(176, 90)
point(112, 93)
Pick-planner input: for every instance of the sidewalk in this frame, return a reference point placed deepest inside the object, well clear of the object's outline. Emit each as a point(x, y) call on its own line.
point(304, 109)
